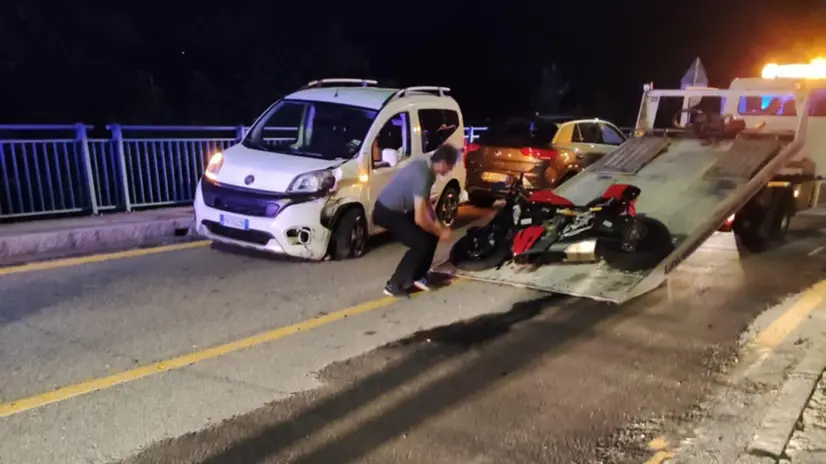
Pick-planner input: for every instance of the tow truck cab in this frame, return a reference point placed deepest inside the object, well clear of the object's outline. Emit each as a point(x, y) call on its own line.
point(774, 104)
point(779, 112)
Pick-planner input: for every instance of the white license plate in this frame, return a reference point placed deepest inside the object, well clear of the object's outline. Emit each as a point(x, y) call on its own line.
point(235, 222)
point(494, 177)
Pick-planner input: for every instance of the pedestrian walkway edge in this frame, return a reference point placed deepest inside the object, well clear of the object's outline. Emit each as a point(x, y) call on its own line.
point(88, 238)
point(779, 422)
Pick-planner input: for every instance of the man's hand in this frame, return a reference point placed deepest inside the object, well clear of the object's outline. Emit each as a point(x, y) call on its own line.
point(444, 234)
point(425, 217)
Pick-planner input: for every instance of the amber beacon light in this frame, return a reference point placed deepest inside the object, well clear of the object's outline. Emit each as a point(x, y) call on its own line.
point(816, 69)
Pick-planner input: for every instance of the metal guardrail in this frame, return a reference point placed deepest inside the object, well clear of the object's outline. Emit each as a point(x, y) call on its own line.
point(53, 170)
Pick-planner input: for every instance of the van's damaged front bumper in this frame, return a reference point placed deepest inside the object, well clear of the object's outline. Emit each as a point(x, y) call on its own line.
point(285, 224)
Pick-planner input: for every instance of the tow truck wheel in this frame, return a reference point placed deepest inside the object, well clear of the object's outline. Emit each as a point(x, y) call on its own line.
point(785, 208)
point(349, 235)
point(764, 222)
point(784, 227)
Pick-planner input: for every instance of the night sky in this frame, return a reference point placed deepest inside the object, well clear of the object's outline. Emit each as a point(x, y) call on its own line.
point(206, 62)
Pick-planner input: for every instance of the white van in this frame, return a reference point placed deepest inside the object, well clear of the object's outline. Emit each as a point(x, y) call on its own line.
point(310, 193)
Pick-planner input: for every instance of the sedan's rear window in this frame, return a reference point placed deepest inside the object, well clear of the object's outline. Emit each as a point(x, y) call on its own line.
point(519, 134)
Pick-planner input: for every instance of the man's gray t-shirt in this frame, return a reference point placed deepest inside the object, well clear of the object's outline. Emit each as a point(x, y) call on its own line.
point(415, 179)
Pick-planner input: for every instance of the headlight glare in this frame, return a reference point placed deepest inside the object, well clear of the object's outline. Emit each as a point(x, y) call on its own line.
point(312, 182)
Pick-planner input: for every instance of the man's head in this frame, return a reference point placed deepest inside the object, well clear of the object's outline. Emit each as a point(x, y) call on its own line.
point(444, 159)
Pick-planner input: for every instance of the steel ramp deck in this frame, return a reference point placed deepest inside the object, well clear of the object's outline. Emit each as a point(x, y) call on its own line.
point(691, 187)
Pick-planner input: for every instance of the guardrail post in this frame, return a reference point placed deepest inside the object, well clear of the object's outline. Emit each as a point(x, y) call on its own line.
point(117, 139)
point(470, 135)
point(240, 132)
point(83, 140)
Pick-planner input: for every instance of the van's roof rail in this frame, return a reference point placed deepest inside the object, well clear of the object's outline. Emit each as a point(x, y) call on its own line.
point(340, 81)
point(423, 88)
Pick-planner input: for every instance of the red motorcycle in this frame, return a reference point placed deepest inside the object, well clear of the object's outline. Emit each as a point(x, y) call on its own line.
point(540, 227)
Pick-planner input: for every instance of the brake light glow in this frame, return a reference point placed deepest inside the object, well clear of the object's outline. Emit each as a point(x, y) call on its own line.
point(469, 147)
point(816, 69)
point(539, 153)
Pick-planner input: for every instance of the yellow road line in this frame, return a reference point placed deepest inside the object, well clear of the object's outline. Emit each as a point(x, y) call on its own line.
point(58, 263)
point(101, 383)
point(781, 327)
point(660, 457)
point(658, 444)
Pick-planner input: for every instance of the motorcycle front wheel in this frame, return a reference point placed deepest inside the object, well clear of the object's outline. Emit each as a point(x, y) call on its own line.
point(650, 251)
point(480, 249)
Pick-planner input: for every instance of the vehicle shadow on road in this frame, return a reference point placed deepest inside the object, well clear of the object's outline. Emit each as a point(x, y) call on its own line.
point(446, 353)
point(25, 295)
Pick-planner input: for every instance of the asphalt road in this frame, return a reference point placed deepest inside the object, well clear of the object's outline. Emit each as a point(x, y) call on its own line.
point(473, 373)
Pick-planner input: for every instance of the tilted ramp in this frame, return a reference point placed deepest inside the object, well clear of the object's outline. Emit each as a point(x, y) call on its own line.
point(691, 187)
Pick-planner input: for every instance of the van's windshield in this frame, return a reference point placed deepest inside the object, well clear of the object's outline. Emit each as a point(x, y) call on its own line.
point(312, 129)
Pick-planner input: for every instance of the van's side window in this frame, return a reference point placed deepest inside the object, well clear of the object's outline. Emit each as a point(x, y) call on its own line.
point(437, 127)
point(394, 134)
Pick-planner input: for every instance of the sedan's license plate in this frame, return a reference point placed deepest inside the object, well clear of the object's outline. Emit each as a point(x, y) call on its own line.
point(494, 177)
point(235, 222)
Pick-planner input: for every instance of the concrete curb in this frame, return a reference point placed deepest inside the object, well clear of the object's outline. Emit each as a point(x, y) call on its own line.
point(91, 238)
point(779, 422)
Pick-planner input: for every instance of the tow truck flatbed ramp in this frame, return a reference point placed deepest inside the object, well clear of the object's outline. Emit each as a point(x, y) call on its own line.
point(689, 185)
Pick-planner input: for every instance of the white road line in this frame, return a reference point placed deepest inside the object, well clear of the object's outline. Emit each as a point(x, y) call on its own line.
point(816, 251)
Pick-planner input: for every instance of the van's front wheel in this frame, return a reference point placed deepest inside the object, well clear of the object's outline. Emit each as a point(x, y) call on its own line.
point(349, 238)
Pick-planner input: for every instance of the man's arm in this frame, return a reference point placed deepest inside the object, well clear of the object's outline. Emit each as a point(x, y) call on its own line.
point(422, 211)
point(425, 217)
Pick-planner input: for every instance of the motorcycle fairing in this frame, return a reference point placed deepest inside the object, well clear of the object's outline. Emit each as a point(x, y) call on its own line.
point(548, 196)
point(621, 192)
point(616, 191)
point(526, 238)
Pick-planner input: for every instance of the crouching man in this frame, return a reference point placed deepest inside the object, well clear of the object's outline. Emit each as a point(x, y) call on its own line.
point(404, 209)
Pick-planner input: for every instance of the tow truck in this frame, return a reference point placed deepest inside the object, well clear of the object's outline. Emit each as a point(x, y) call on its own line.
point(745, 159)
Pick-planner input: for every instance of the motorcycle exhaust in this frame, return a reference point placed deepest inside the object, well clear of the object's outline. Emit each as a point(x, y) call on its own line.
point(584, 251)
point(561, 252)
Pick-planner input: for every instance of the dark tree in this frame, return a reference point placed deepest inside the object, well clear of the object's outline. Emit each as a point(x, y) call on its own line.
point(159, 62)
point(552, 90)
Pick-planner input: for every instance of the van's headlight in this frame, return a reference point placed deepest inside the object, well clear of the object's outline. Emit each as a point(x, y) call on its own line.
point(312, 182)
point(214, 166)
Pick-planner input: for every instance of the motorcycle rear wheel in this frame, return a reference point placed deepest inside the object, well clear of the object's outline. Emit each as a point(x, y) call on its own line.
point(654, 247)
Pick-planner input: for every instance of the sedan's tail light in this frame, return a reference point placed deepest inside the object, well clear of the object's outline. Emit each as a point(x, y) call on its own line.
point(469, 147)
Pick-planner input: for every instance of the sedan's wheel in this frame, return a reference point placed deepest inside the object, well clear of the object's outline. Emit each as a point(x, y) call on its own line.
point(448, 207)
point(350, 236)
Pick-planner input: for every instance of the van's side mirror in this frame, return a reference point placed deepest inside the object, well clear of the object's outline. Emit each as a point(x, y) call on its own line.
point(390, 157)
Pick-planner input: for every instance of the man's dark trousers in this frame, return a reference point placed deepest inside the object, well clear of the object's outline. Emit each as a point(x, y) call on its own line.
point(421, 244)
